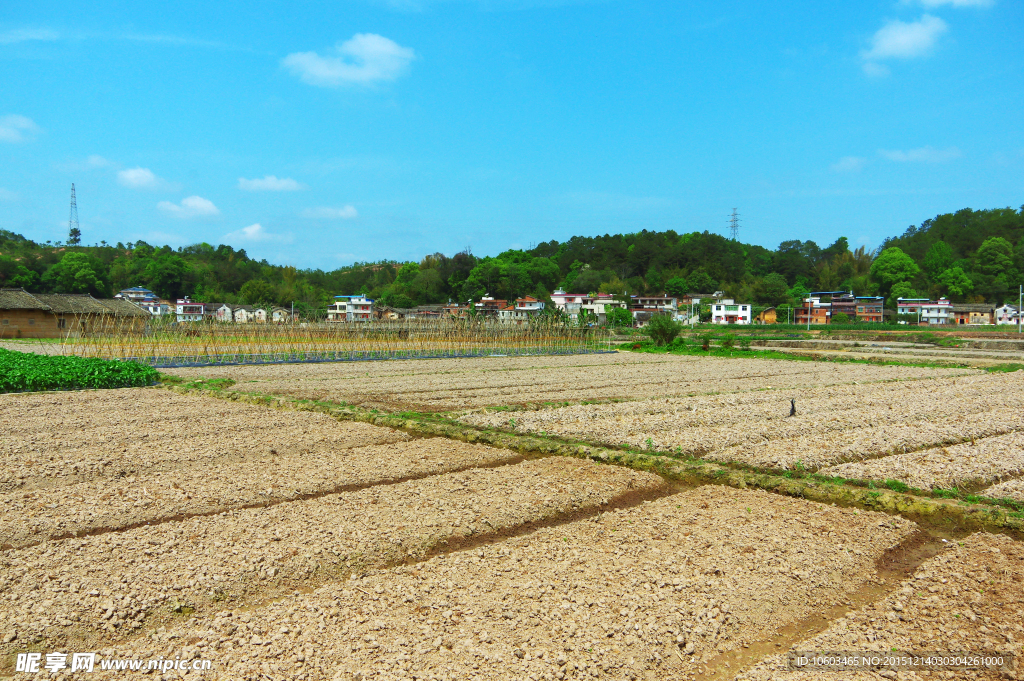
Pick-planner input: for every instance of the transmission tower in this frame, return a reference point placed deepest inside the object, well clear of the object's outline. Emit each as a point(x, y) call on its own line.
point(734, 226)
point(74, 233)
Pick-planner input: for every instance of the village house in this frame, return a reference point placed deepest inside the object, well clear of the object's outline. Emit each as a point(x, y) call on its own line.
point(937, 312)
point(766, 316)
point(350, 309)
point(813, 311)
point(521, 309)
point(223, 312)
point(188, 310)
point(489, 306)
point(52, 315)
point(280, 315)
point(1007, 314)
point(975, 314)
point(728, 311)
point(870, 308)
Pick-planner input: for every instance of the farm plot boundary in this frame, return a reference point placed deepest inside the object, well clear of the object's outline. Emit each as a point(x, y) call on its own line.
point(948, 514)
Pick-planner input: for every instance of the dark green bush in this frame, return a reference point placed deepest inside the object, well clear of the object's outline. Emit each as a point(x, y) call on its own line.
point(662, 329)
point(24, 371)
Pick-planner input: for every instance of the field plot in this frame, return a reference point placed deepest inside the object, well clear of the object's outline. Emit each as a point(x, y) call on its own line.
point(103, 587)
point(970, 598)
point(834, 423)
point(645, 592)
point(1008, 489)
point(28, 517)
point(447, 385)
point(972, 465)
point(54, 439)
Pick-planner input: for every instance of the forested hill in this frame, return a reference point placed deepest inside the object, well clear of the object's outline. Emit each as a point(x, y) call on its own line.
point(975, 256)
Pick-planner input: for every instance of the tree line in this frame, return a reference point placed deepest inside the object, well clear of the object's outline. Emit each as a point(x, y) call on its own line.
point(968, 256)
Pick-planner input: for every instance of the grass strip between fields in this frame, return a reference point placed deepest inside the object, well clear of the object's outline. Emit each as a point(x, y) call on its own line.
point(729, 350)
point(946, 509)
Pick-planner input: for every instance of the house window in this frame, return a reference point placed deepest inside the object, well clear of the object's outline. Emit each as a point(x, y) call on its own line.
point(6, 322)
point(60, 323)
point(31, 321)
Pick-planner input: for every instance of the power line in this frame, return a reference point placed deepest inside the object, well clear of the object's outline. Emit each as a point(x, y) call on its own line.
point(734, 226)
point(74, 233)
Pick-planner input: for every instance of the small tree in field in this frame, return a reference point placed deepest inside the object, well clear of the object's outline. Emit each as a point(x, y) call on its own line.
point(662, 329)
point(840, 318)
point(619, 317)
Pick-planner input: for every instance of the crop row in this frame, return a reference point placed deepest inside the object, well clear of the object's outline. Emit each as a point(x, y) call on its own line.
point(24, 371)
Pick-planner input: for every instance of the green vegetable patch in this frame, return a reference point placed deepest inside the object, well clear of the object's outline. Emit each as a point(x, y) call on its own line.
point(23, 371)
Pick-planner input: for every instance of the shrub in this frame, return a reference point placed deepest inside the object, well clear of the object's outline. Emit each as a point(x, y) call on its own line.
point(619, 317)
point(662, 329)
point(729, 341)
point(24, 371)
point(840, 318)
point(705, 342)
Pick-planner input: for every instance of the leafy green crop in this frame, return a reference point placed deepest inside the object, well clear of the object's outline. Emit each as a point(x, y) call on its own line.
point(23, 371)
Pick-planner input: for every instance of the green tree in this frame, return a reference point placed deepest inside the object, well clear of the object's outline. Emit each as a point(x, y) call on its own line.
point(901, 289)
point(894, 266)
point(77, 273)
point(772, 290)
point(407, 273)
point(257, 292)
point(938, 259)
point(956, 281)
point(15, 275)
point(618, 317)
point(840, 318)
point(662, 329)
point(165, 275)
point(677, 286)
point(995, 256)
point(702, 282)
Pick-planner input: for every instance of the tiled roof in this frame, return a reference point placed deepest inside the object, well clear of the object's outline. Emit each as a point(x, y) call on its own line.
point(72, 303)
point(20, 299)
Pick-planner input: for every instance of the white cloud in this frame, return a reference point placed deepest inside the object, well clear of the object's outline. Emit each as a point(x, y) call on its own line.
point(327, 213)
point(876, 70)
point(902, 40)
point(97, 161)
point(364, 59)
point(253, 233)
point(269, 183)
point(848, 164)
point(921, 155)
point(191, 207)
point(8, 195)
point(20, 35)
point(139, 178)
point(15, 128)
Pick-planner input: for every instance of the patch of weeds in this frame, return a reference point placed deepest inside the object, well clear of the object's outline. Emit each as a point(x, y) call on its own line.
point(897, 486)
point(512, 423)
point(650, 444)
point(1004, 368)
point(940, 493)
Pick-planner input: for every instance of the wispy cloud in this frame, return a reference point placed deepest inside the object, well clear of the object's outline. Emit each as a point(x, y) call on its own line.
point(21, 35)
point(364, 59)
point(328, 213)
point(190, 207)
point(254, 233)
point(921, 155)
point(15, 128)
point(849, 164)
point(139, 178)
point(902, 40)
point(183, 41)
point(270, 183)
point(8, 195)
point(931, 4)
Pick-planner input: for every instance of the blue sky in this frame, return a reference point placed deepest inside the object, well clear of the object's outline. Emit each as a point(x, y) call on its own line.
point(319, 134)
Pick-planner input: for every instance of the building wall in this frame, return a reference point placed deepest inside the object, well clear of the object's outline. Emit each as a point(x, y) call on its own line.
point(28, 324)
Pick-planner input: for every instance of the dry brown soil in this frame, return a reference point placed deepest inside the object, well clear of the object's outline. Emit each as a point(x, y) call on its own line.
point(446, 385)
